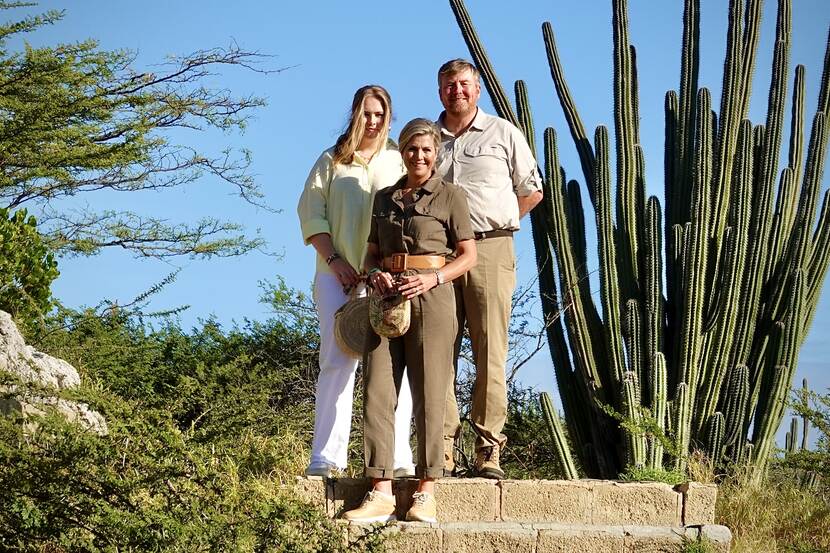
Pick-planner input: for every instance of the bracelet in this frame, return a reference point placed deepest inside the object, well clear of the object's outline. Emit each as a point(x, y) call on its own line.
point(439, 277)
point(332, 257)
point(373, 270)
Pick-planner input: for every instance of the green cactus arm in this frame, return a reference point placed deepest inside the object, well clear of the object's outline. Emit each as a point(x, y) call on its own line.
point(824, 90)
point(737, 398)
point(790, 438)
point(609, 282)
point(577, 417)
point(795, 155)
point(678, 212)
point(626, 222)
point(805, 426)
point(633, 337)
point(776, 104)
point(659, 407)
point(488, 74)
point(580, 137)
point(764, 435)
point(734, 267)
point(635, 437)
point(682, 409)
point(696, 254)
point(730, 116)
point(714, 437)
point(751, 34)
point(557, 436)
point(576, 230)
point(654, 303)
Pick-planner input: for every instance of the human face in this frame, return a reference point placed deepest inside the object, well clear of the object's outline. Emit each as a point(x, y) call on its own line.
point(459, 93)
point(373, 116)
point(419, 158)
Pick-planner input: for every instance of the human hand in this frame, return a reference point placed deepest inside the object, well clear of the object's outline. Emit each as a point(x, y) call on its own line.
point(415, 285)
point(345, 273)
point(382, 282)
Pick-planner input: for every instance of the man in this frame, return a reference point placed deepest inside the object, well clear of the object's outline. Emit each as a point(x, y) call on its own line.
point(491, 161)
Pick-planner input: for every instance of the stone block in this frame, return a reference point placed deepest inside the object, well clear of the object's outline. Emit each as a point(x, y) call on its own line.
point(415, 537)
point(698, 503)
point(484, 537)
point(719, 537)
point(646, 539)
point(467, 500)
point(561, 538)
point(313, 490)
point(635, 503)
point(561, 501)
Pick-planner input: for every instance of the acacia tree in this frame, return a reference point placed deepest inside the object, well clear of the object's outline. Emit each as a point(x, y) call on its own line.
point(76, 119)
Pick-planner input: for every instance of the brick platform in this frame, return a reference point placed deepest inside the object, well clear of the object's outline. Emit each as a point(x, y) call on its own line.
point(587, 516)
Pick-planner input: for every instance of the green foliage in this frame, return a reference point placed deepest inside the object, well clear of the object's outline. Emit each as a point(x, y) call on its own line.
point(779, 514)
point(78, 119)
point(27, 267)
point(744, 248)
point(698, 546)
point(643, 474)
point(149, 486)
point(207, 431)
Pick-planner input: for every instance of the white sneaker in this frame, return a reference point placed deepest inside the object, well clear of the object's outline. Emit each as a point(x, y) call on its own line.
point(376, 507)
point(404, 472)
point(322, 469)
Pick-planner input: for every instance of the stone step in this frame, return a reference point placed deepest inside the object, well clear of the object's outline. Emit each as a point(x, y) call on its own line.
point(512, 537)
point(572, 502)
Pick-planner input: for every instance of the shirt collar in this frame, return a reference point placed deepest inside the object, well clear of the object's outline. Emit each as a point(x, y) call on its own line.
point(478, 123)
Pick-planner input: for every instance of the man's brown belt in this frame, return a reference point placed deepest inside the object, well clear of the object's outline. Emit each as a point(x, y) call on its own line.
point(492, 234)
point(399, 262)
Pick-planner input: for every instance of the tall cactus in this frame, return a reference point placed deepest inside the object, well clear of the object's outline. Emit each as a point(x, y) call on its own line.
point(711, 355)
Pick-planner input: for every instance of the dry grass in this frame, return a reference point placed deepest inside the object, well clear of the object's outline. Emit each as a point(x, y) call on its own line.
point(777, 515)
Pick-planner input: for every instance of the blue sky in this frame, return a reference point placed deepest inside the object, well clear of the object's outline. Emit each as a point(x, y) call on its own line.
point(332, 48)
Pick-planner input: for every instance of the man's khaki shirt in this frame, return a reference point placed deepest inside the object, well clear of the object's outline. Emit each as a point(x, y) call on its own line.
point(432, 225)
point(492, 162)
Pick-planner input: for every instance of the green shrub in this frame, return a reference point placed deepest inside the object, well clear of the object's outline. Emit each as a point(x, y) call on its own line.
point(149, 486)
point(27, 267)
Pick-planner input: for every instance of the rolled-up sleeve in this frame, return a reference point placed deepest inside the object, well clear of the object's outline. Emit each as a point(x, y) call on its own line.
point(525, 172)
point(311, 208)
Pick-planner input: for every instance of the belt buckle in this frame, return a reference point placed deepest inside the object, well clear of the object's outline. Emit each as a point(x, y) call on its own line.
point(398, 264)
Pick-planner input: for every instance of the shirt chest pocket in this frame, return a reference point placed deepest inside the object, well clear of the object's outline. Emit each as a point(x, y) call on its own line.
point(486, 152)
point(388, 224)
point(483, 163)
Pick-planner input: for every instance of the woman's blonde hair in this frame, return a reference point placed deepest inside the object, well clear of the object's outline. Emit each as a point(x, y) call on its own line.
point(348, 142)
point(418, 127)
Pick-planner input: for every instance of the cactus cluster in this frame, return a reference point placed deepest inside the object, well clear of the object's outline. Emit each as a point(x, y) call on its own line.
point(707, 361)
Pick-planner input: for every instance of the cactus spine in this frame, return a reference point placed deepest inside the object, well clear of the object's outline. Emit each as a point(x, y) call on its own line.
point(711, 358)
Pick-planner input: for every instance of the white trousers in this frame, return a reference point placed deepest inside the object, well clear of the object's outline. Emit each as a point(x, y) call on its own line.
point(335, 388)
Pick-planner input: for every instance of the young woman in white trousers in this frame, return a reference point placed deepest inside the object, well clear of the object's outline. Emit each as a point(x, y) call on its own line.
point(335, 211)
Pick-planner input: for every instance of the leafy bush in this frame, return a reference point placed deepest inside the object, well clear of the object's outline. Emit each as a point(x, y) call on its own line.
point(207, 431)
point(27, 267)
point(148, 486)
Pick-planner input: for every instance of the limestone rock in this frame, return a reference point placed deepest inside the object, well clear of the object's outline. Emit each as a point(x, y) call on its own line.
point(30, 365)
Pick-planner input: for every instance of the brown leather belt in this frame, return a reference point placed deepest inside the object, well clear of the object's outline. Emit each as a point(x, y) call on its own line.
point(492, 234)
point(400, 262)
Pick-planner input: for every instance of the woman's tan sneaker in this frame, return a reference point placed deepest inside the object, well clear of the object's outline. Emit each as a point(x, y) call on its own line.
point(423, 508)
point(376, 507)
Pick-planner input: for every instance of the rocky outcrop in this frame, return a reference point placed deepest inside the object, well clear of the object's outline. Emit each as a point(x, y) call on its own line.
point(49, 373)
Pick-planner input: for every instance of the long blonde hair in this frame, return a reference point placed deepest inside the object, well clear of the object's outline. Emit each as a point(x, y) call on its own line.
point(349, 141)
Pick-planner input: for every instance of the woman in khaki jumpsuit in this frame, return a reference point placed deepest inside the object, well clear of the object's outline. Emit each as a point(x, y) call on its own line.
point(416, 224)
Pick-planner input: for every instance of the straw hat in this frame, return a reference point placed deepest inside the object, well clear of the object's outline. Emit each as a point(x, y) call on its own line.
point(351, 328)
point(389, 315)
